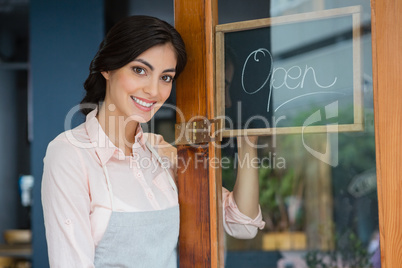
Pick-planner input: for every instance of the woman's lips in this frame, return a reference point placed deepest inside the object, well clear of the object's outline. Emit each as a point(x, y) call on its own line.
point(143, 104)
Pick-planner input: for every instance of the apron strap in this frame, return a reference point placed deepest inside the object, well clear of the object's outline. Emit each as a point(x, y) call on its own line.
point(109, 186)
point(155, 153)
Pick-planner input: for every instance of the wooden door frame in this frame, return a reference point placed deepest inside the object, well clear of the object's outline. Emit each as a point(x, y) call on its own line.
point(199, 184)
point(386, 22)
point(201, 233)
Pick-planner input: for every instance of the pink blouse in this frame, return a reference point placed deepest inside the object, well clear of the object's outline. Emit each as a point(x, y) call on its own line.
point(75, 197)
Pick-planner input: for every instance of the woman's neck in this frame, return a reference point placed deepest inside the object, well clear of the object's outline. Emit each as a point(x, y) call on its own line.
point(120, 130)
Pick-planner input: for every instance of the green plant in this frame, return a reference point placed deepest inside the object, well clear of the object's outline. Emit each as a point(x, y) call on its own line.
point(276, 189)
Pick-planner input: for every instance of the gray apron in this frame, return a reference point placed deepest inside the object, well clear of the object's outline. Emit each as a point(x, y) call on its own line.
point(140, 239)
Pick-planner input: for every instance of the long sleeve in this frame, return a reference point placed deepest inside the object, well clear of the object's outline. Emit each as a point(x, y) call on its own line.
point(66, 207)
point(236, 223)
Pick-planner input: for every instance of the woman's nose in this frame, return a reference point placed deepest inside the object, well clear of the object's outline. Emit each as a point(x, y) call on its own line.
point(152, 87)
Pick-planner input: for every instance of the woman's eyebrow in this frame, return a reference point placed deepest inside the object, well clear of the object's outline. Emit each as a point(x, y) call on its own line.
point(172, 70)
point(152, 67)
point(146, 63)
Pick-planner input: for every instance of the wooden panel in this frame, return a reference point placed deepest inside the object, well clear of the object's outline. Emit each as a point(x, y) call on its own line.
point(387, 58)
point(200, 202)
point(215, 173)
point(194, 242)
point(191, 86)
point(296, 18)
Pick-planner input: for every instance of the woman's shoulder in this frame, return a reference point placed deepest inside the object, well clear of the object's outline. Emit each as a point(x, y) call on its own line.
point(163, 147)
point(65, 162)
point(68, 142)
point(76, 135)
point(157, 141)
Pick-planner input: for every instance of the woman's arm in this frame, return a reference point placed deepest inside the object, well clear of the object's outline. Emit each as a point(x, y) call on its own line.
point(246, 189)
point(242, 213)
point(66, 207)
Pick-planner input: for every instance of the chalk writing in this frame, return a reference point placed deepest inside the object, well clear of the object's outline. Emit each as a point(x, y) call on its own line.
point(255, 54)
point(282, 77)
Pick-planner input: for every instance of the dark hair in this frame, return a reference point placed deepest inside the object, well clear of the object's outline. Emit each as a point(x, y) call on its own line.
point(125, 41)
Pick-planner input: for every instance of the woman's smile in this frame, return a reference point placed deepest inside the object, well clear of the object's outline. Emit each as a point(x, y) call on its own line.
point(143, 104)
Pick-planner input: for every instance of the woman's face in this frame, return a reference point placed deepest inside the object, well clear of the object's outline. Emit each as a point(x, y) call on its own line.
point(138, 89)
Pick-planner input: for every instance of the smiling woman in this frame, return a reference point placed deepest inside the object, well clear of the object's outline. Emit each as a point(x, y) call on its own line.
point(114, 203)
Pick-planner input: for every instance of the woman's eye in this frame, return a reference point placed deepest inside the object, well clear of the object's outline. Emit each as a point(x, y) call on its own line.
point(138, 70)
point(167, 78)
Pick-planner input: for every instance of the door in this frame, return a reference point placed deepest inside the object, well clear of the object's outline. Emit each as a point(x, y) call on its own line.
point(314, 206)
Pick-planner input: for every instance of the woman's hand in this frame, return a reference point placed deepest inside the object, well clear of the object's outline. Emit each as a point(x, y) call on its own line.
point(246, 189)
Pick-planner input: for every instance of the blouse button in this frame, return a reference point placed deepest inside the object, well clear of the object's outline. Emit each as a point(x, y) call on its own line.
point(138, 174)
point(68, 221)
point(150, 195)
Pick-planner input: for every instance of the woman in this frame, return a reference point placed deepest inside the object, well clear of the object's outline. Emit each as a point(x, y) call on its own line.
point(108, 193)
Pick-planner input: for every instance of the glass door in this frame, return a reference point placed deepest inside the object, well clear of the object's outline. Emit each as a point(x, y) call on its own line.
point(299, 75)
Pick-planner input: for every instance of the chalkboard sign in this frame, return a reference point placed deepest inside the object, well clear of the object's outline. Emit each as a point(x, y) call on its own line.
point(290, 74)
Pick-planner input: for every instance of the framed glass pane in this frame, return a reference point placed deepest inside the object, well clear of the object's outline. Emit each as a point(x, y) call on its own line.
point(318, 191)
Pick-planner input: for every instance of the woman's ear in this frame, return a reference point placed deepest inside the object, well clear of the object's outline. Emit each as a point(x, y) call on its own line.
point(105, 74)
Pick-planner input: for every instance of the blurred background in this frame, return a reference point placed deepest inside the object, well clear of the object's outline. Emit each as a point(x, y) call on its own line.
point(45, 51)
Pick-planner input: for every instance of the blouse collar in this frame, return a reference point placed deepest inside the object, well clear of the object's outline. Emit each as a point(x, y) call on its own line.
point(104, 147)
